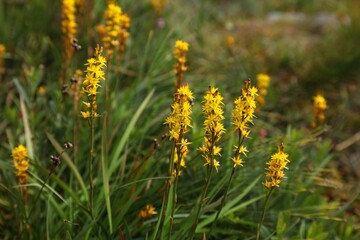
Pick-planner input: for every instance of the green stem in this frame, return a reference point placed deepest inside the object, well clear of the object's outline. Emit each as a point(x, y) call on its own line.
point(168, 185)
point(224, 198)
point(263, 213)
point(92, 130)
point(174, 191)
point(203, 194)
point(237, 153)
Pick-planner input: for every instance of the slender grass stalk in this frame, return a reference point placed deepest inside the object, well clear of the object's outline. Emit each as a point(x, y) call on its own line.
point(92, 130)
point(167, 189)
point(180, 156)
point(263, 213)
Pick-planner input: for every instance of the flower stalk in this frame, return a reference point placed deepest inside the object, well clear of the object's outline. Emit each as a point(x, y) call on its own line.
point(275, 175)
point(212, 110)
point(242, 116)
point(178, 122)
point(94, 74)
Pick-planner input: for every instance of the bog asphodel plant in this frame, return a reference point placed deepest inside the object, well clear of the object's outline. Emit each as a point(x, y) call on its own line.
point(320, 106)
point(112, 27)
point(147, 212)
point(180, 52)
point(178, 122)
point(125, 22)
point(242, 115)
point(21, 163)
point(274, 176)
point(68, 27)
point(116, 32)
point(263, 82)
point(212, 110)
point(94, 75)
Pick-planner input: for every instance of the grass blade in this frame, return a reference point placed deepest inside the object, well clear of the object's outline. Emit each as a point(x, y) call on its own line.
point(115, 159)
point(105, 175)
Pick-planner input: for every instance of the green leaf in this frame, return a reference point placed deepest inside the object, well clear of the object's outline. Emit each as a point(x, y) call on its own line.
point(116, 161)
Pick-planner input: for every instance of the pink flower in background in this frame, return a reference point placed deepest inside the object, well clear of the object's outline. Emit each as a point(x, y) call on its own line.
point(263, 133)
point(160, 23)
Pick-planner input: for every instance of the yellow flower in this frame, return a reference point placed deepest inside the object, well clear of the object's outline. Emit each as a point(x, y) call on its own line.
point(179, 118)
point(237, 161)
point(21, 163)
point(124, 34)
point(263, 82)
point(94, 74)
point(181, 49)
point(41, 90)
point(319, 109)
point(112, 27)
point(230, 41)
point(159, 5)
point(244, 109)
point(68, 26)
point(275, 171)
point(212, 110)
point(147, 212)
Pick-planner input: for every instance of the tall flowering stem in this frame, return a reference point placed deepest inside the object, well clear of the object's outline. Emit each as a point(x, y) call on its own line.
point(275, 175)
point(263, 82)
point(21, 164)
point(94, 74)
point(180, 52)
point(178, 122)
point(212, 110)
point(69, 30)
point(242, 116)
point(319, 110)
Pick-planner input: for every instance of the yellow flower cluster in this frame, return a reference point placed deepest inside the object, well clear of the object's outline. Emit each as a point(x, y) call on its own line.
point(263, 82)
point(94, 74)
point(244, 109)
point(276, 167)
point(243, 114)
point(112, 27)
point(212, 110)
point(181, 49)
point(124, 34)
point(178, 122)
point(116, 25)
point(230, 40)
point(68, 26)
point(179, 119)
point(181, 151)
point(147, 212)
point(319, 109)
point(21, 163)
point(159, 5)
